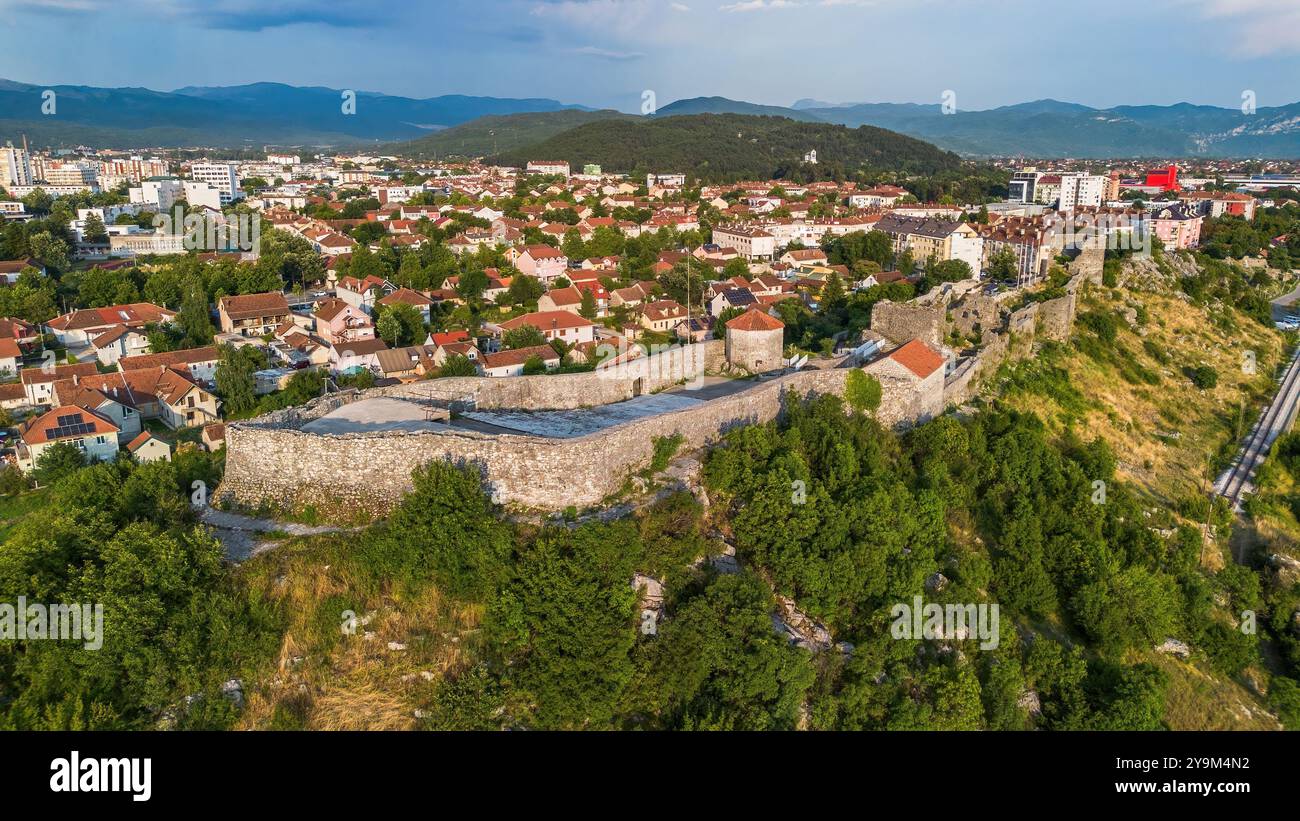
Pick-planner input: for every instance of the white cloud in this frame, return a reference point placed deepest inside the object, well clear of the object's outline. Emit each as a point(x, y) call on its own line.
point(608, 54)
point(1257, 27)
point(760, 5)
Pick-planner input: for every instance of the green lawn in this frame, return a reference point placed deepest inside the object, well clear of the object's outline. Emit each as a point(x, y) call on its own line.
point(173, 437)
point(14, 508)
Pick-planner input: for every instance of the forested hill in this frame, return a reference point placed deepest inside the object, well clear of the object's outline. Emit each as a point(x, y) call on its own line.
point(728, 147)
point(509, 132)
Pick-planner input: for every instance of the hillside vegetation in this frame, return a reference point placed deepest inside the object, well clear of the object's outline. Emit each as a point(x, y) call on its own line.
point(1170, 368)
point(729, 147)
point(488, 135)
point(1135, 371)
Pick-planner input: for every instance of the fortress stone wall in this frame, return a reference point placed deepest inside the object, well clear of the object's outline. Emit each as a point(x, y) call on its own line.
point(646, 375)
point(272, 460)
point(903, 321)
point(1051, 319)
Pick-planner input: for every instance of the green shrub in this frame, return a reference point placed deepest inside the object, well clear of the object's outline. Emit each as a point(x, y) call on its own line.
point(862, 391)
point(665, 448)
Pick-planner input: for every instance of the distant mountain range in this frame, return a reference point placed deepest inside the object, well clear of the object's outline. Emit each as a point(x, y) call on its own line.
point(729, 147)
point(261, 113)
point(275, 114)
point(1051, 128)
point(721, 105)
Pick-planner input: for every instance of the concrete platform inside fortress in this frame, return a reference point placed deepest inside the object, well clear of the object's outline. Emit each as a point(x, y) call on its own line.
point(385, 414)
point(378, 415)
point(567, 424)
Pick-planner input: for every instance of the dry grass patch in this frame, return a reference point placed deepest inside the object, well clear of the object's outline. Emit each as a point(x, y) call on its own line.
point(376, 677)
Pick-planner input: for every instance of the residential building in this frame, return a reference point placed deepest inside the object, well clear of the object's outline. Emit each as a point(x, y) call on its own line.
point(159, 193)
point(417, 300)
point(1222, 203)
point(549, 168)
point(357, 356)
point(662, 315)
point(78, 327)
point(134, 169)
point(364, 293)
point(15, 167)
point(1177, 226)
point(252, 314)
point(754, 244)
point(38, 383)
point(93, 435)
point(725, 298)
point(11, 269)
point(11, 358)
point(149, 448)
point(562, 299)
point(545, 263)
point(119, 342)
point(338, 323)
point(512, 362)
point(937, 239)
point(199, 363)
point(562, 325)
point(167, 394)
point(224, 177)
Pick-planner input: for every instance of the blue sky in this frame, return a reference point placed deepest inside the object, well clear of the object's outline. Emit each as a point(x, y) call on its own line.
point(607, 52)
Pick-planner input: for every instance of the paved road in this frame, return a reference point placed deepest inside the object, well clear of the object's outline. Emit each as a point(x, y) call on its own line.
point(1284, 307)
point(1238, 480)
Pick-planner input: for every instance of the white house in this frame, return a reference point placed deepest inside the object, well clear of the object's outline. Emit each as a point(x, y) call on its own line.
point(93, 435)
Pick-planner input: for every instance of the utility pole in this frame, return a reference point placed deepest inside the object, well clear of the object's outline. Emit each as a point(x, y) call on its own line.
point(690, 331)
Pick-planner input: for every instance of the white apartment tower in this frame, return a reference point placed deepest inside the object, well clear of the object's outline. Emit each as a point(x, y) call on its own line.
point(15, 167)
point(1082, 190)
point(222, 176)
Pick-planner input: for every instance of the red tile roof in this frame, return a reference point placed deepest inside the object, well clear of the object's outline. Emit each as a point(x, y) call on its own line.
point(139, 441)
point(66, 422)
point(447, 337)
point(252, 306)
point(188, 356)
point(755, 320)
point(519, 356)
point(547, 321)
point(918, 357)
point(132, 316)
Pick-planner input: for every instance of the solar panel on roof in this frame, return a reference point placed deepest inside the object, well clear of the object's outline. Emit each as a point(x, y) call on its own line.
point(64, 431)
point(70, 419)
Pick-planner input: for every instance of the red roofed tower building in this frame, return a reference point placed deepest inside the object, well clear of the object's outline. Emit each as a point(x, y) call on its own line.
point(911, 384)
point(756, 341)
